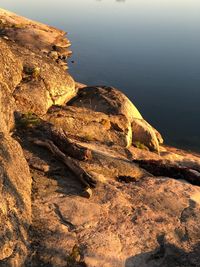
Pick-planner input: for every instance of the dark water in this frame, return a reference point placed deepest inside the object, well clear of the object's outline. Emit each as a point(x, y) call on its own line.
point(150, 49)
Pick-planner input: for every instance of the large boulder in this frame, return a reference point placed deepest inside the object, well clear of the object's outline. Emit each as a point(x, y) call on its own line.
point(15, 203)
point(28, 68)
point(144, 134)
point(91, 126)
point(44, 83)
point(109, 100)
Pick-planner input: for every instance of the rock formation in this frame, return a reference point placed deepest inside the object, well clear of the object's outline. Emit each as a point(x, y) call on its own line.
point(84, 179)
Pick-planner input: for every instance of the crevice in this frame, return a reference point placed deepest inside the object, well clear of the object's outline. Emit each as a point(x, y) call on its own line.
point(160, 168)
point(70, 226)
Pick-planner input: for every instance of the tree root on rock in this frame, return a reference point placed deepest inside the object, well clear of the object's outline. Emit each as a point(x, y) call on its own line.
point(160, 168)
point(70, 163)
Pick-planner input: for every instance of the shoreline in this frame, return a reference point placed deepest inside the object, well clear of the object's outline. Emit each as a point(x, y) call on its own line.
point(85, 179)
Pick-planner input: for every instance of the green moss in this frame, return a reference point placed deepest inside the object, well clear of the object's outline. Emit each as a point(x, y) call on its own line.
point(33, 72)
point(89, 137)
point(140, 145)
point(28, 119)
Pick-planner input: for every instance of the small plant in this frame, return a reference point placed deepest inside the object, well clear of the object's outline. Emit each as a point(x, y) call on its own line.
point(88, 137)
point(33, 72)
point(74, 257)
point(29, 120)
point(140, 145)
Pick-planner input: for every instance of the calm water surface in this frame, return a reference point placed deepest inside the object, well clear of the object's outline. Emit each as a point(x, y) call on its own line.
point(150, 49)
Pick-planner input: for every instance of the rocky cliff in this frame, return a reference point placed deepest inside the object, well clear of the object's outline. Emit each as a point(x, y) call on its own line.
point(84, 179)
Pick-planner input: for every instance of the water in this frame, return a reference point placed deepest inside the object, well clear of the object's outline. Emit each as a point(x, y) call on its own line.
point(150, 49)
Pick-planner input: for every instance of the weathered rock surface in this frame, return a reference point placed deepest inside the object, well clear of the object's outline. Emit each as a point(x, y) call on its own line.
point(38, 80)
point(144, 134)
point(134, 217)
point(111, 101)
point(139, 223)
point(29, 33)
point(107, 100)
point(15, 203)
point(10, 67)
point(90, 125)
point(7, 106)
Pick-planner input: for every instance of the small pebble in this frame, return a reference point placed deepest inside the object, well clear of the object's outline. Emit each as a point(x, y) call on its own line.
point(87, 193)
point(53, 54)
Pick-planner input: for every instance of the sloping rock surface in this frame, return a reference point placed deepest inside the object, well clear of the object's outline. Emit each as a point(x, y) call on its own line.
point(139, 214)
point(15, 203)
point(107, 100)
point(145, 221)
point(36, 79)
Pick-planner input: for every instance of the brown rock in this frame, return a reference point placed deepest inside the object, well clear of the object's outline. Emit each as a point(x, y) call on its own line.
point(107, 100)
point(7, 107)
point(90, 125)
point(144, 134)
point(31, 34)
point(37, 81)
point(10, 67)
point(111, 101)
point(51, 85)
point(15, 203)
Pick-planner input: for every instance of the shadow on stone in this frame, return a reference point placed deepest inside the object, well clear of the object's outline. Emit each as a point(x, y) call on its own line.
point(166, 255)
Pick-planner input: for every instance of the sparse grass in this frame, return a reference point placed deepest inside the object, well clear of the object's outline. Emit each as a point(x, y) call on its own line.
point(74, 259)
point(28, 119)
point(33, 72)
point(140, 145)
point(88, 137)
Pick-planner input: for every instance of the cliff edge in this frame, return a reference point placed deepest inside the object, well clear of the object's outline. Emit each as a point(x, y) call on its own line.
point(85, 180)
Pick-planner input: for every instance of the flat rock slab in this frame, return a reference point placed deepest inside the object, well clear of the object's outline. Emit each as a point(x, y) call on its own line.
point(29, 33)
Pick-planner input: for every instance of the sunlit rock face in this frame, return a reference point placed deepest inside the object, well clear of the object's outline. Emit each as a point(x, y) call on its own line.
point(37, 79)
point(90, 125)
point(7, 107)
point(15, 203)
point(111, 101)
point(136, 216)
